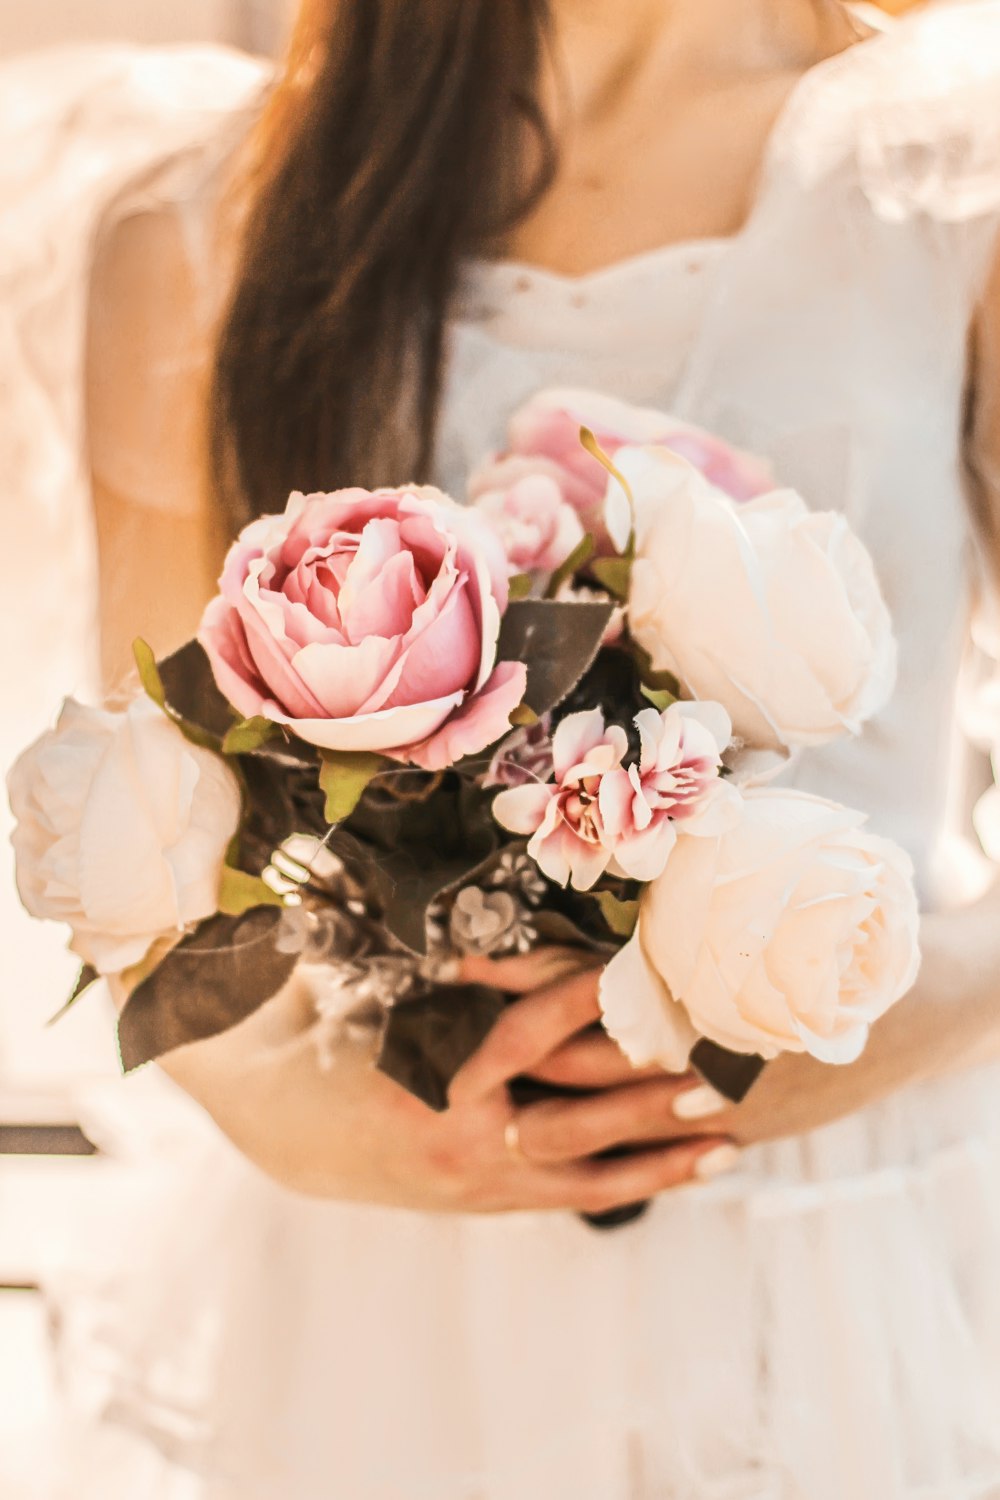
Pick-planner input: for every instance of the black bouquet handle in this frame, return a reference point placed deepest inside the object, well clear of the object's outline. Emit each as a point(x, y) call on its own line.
point(531, 1091)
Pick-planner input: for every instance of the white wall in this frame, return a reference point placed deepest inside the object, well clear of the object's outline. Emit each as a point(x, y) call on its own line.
point(257, 25)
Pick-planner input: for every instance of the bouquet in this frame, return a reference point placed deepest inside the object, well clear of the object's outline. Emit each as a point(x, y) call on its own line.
point(411, 729)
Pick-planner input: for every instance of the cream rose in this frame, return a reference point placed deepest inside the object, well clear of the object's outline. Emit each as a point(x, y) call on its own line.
point(122, 830)
point(768, 608)
point(792, 931)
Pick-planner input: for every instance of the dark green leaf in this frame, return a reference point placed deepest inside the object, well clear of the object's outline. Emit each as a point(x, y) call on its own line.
point(581, 554)
point(405, 881)
point(732, 1074)
point(249, 735)
point(557, 641)
point(407, 852)
point(428, 1041)
point(343, 777)
point(240, 892)
point(214, 978)
point(651, 678)
point(86, 977)
point(191, 691)
point(523, 717)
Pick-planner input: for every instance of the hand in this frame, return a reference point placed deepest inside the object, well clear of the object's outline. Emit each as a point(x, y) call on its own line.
point(615, 1106)
point(353, 1134)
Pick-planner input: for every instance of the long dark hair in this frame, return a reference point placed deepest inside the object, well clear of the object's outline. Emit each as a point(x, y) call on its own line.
point(405, 135)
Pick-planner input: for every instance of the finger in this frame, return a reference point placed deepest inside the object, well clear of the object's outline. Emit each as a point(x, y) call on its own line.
point(591, 1061)
point(556, 1131)
point(598, 1187)
point(527, 1031)
point(524, 972)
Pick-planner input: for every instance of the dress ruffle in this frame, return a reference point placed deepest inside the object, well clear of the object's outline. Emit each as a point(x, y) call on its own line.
point(824, 1325)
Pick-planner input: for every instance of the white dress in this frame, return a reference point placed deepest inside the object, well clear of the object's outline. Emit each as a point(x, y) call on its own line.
point(824, 1325)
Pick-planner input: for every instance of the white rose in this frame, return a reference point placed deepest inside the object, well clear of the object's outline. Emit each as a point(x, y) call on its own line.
point(122, 830)
point(793, 931)
point(768, 608)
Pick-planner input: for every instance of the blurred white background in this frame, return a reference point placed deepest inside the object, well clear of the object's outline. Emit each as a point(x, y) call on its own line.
point(256, 25)
point(47, 1197)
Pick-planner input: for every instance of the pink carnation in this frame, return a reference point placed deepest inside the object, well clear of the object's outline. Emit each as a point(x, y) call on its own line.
point(600, 814)
point(674, 784)
point(368, 621)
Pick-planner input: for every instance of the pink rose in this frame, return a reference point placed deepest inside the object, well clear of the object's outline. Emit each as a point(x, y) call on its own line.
point(599, 814)
point(544, 440)
point(368, 621)
point(536, 526)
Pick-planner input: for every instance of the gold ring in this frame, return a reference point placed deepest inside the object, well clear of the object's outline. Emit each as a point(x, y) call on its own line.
point(512, 1139)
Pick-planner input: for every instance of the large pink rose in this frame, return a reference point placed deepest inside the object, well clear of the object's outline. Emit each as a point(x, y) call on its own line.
point(543, 438)
point(368, 621)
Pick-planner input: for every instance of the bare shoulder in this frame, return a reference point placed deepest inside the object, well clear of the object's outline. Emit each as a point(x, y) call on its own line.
point(147, 355)
point(147, 376)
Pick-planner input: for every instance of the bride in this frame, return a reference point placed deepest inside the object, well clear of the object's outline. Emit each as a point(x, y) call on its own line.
point(779, 222)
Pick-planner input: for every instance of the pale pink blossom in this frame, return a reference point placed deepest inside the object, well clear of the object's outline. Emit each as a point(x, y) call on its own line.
point(536, 526)
point(543, 440)
point(794, 930)
point(368, 621)
point(675, 785)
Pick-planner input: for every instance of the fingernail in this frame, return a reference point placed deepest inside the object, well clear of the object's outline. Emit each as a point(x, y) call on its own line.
point(699, 1103)
point(717, 1162)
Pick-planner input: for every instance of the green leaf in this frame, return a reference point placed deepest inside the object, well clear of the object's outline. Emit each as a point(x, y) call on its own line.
point(523, 717)
point(614, 574)
point(520, 586)
point(581, 554)
point(660, 698)
point(249, 735)
point(149, 672)
point(621, 916)
point(343, 777)
point(240, 893)
point(86, 977)
point(595, 450)
point(155, 689)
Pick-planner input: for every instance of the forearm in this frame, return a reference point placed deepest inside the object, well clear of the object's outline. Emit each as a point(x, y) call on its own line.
point(955, 1006)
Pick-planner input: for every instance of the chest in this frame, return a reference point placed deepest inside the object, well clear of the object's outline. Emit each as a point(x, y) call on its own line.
point(681, 164)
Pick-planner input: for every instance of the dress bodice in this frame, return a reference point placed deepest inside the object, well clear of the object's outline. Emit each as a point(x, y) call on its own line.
point(830, 335)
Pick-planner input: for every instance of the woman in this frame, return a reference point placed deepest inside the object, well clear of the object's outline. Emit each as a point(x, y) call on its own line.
point(765, 217)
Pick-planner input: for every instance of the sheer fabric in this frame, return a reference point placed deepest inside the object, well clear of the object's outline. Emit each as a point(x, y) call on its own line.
point(826, 1323)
